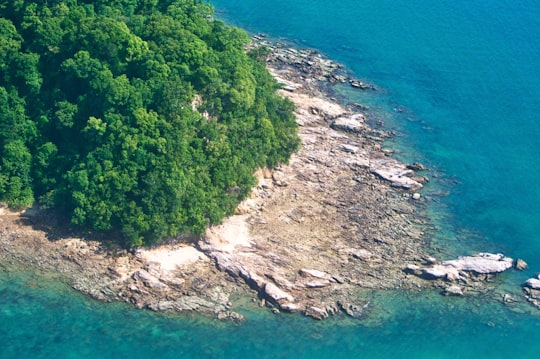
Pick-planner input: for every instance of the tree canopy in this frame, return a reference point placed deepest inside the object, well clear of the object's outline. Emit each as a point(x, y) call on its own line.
point(142, 116)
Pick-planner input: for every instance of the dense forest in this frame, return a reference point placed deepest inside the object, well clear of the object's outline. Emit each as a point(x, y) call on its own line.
point(145, 117)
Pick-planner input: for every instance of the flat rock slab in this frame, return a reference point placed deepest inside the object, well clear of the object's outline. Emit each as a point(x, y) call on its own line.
point(395, 172)
point(481, 263)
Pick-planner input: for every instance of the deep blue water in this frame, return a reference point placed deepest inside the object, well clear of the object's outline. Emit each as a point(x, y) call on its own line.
point(466, 78)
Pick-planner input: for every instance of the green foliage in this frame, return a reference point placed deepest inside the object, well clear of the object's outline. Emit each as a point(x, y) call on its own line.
point(140, 116)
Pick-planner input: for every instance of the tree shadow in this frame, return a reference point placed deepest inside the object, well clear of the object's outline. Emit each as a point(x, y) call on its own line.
point(57, 226)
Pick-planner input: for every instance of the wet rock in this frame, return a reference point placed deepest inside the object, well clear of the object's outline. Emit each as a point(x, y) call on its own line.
point(416, 166)
point(352, 310)
point(316, 313)
point(395, 172)
point(521, 264)
point(453, 290)
point(508, 299)
point(290, 307)
point(361, 85)
point(533, 283)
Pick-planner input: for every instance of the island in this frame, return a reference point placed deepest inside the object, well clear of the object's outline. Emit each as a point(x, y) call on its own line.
point(154, 155)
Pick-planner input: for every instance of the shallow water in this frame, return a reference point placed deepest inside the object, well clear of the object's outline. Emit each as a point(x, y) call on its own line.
point(48, 320)
point(465, 78)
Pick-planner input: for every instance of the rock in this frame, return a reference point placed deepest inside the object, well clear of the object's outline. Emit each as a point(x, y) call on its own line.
point(395, 172)
point(413, 269)
point(289, 88)
point(533, 283)
point(165, 306)
point(313, 273)
point(279, 179)
point(521, 264)
point(453, 290)
point(316, 313)
point(354, 123)
point(360, 85)
point(441, 271)
point(416, 166)
point(362, 254)
point(482, 263)
point(290, 307)
point(318, 283)
point(282, 282)
point(277, 295)
point(148, 280)
point(508, 299)
point(352, 310)
point(349, 148)
point(416, 196)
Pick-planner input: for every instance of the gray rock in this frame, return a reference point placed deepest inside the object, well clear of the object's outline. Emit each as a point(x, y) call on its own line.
point(349, 148)
point(148, 280)
point(318, 284)
point(290, 307)
point(354, 123)
point(482, 263)
point(277, 295)
point(395, 172)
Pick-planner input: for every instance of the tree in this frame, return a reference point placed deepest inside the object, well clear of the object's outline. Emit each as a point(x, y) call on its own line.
point(143, 117)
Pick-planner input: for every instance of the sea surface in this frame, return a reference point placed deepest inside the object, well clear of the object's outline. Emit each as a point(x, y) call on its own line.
point(459, 82)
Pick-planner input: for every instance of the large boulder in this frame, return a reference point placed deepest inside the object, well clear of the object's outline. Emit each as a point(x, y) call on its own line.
point(278, 295)
point(482, 263)
point(354, 123)
point(453, 270)
point(533, 283)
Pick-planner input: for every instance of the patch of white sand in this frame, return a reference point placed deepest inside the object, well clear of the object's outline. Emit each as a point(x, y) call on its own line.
point(170, 258)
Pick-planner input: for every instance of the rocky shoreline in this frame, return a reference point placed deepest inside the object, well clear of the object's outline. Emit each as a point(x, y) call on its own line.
point(342, 216)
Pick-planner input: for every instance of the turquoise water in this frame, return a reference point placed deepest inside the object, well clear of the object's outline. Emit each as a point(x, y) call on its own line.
point(466, 78)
